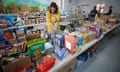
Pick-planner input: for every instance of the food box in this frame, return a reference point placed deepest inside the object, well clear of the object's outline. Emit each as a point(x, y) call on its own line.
point(70, 43)
point(36, 48)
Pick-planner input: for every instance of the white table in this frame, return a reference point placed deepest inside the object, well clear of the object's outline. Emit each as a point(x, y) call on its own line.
point(68, 58)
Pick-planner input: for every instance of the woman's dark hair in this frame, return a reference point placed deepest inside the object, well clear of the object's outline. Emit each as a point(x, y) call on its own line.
point(53, 4)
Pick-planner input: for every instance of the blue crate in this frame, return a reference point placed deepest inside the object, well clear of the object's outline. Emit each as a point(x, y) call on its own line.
point(83, 57)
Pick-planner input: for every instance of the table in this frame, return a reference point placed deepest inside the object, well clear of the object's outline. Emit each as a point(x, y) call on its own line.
point(69, 57)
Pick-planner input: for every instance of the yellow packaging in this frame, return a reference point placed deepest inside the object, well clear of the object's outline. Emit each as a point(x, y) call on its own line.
point(85, 38)
point(92, 36)
point(104, 28)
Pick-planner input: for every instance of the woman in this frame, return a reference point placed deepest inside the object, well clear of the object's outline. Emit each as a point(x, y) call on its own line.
point(53, 17)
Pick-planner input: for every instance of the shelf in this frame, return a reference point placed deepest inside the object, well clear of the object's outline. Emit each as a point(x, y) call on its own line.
point(29, 25)
point(14, 27)
point(68, 58)
point(64, 23)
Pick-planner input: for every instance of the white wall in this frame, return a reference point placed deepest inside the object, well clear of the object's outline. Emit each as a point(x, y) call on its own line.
point(114, 3)
point(68, 5)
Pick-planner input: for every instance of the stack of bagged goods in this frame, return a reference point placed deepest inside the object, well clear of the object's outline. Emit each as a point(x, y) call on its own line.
point(21, 39)
point(2, 40)
point(24, 8)
point(2, 10)
point(33, 34)
point(7, 20)
point(34, 9)
point(25, 18)
point(3, 24)
point(20, 34)
point(14, 9)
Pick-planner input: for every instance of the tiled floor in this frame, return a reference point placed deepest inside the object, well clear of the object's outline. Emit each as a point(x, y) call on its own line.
point(107, 58)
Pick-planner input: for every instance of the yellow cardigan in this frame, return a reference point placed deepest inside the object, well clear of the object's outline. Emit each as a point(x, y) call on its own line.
point(51, 21)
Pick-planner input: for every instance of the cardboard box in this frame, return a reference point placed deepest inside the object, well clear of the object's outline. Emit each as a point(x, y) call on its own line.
point(70, 43)
point(104, 28)
point(91, 36)
point(112, 21)
point(36, 48)
point(85, 38)
point(13, 66)
point(32, 36)
point(70, 67)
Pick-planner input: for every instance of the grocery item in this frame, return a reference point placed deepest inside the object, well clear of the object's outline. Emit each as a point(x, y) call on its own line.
point(60, 41)
point(96, 29)
point(105, 28)
point(98, 32)
point(85, 38)
point(60, 53)
point(91, 36)
point(83, 57)
point(36, 48)
point(23, 47)
point(32, 36)
point(112, 21)
point(79, 38)
point(92, 28)
point(8, 35)
point(70, 43)
point(91, 51)
point(47, 63)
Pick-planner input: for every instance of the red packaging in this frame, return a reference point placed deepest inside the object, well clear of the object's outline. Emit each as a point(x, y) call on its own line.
point(70, 43)
point(112, 22)
point(8, 35)
point(46, 65)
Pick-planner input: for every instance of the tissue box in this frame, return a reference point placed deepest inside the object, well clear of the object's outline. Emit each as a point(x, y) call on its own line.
point(70, 43)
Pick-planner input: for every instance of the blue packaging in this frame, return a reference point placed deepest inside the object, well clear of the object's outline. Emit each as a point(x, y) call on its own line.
point(10, 19)
point(79, 40)
point(98, 32)
point(60, 53)
point(60, 41)
point(83, 57)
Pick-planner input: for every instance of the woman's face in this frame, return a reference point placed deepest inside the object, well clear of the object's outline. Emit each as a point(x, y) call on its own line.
point(52, 9)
